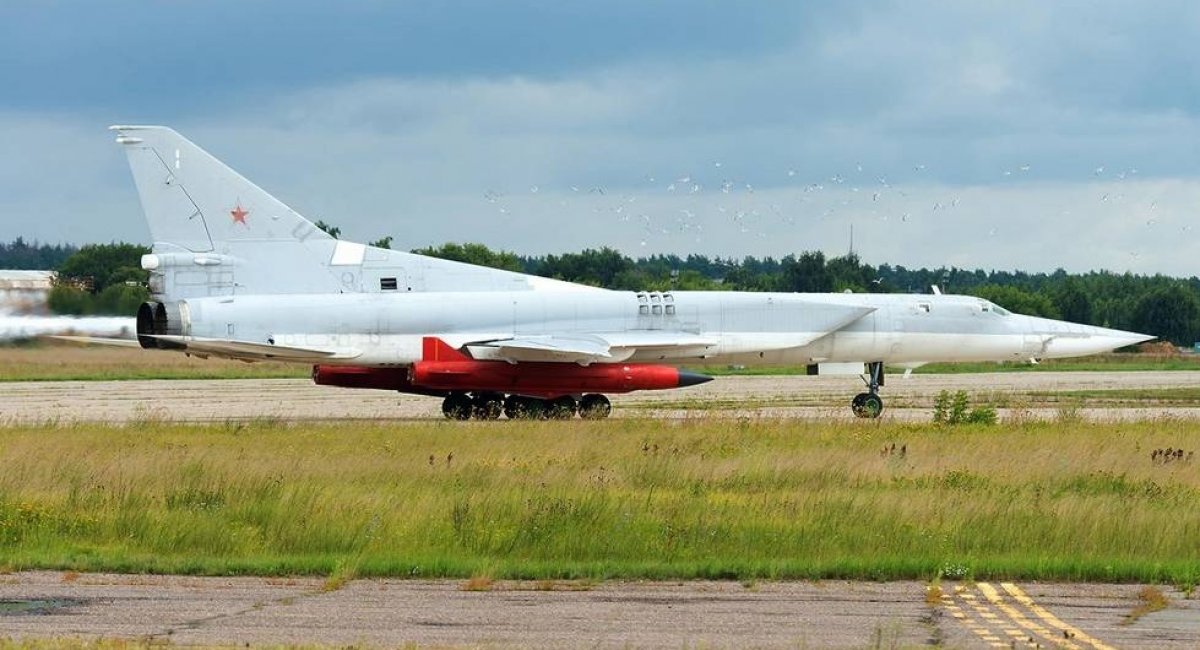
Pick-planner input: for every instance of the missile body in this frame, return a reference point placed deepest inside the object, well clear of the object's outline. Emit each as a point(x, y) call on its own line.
point(531, 379)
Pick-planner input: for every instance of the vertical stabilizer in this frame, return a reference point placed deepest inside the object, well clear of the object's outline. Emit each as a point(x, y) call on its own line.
point(216, 233)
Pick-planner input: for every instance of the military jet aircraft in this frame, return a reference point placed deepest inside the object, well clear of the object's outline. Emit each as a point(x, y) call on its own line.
point(236, 273)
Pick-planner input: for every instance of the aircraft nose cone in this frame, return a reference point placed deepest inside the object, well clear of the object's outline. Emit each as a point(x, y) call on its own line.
point(1091, 340)
point(1116, 338)
point(688, 378)
point(1130, 338)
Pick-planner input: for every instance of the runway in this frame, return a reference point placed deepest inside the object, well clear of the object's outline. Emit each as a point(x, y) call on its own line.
point(1028, 394)
point(237, 611)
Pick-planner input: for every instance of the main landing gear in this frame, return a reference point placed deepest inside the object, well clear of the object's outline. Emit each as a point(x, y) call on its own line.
point(870, 404)
point(489, 406)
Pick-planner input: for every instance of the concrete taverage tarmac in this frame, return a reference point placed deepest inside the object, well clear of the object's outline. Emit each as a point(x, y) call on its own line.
point(768, 396)
point(229, 611)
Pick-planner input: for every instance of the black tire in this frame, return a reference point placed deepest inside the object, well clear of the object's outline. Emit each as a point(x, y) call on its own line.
point(867, 405)
point(856, 404)
point(525, 408)
point(594, 407)
point(561, 408)
point(457, 406)
point(487, 406)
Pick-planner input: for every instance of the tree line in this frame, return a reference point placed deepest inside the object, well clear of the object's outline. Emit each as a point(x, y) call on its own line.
point(1165, 306)
point(26, 256)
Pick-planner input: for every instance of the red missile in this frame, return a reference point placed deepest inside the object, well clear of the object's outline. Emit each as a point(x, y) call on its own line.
point(361, 377)
point(445, 369)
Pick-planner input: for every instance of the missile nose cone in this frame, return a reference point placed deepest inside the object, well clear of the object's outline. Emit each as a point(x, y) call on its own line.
point(687, 378)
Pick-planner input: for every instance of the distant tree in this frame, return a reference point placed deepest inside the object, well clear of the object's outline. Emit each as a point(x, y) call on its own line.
point(591, 266)
point(1170, 312)
point(848, 272)
point(752, 274)
point(69, 300)
point(385, 242)
point(116, 299)
point(1073, 301)
point(807, 273)
point(106, 265)
point(743, 279)
point(114, 274)
point(20, 254)
point(477, 254)
point(635, 280)
point(330, 229)
point(692, 280)
point(639, 279)
point(121, 299)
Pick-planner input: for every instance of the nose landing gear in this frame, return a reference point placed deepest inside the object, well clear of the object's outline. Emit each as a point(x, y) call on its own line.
point(870, 404)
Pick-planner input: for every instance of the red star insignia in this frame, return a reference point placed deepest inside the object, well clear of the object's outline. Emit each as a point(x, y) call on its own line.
point(239, 215)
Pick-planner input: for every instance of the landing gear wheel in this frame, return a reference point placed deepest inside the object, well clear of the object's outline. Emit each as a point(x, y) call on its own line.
point(457, 406)
point(594, 407)
point(870, 404)
point(517, 407)
point(561, 408)
point(867, 405)
point(487, 406)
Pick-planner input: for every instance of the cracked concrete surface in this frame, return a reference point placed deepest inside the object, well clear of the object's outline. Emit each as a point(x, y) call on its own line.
point(228, 611)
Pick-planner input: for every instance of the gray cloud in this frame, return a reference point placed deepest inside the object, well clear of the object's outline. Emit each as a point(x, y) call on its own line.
point(1010, 108)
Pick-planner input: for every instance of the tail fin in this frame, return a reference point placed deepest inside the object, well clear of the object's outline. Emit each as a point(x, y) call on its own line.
point(196, 204)
point(194, 201)
point(216, 233)
point(435, 349)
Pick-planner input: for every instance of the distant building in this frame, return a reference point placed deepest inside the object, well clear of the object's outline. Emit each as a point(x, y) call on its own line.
point(25, 292)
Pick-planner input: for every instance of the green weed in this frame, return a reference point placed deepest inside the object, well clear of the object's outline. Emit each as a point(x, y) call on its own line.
point(544, 501)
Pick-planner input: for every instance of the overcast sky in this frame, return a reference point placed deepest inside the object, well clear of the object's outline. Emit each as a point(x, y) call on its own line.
point(1007, 135)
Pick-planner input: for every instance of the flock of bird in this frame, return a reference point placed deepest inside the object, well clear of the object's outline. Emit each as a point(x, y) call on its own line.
point(667, 211)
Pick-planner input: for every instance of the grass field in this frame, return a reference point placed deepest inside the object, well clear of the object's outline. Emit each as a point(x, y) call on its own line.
point(616, 499)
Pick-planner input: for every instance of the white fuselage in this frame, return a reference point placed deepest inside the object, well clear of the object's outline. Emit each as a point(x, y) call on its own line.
point(741, 328)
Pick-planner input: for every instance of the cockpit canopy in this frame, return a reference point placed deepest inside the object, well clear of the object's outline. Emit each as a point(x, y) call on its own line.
point(989, 306)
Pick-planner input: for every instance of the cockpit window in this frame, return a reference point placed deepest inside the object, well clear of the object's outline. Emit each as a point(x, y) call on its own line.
point(986, 307)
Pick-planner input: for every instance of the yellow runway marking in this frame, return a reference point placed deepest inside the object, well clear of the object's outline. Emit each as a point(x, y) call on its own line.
point(971, 625)
point(986, 617)
point(1010, 618)
point(1017, 617)
point(1023, 598)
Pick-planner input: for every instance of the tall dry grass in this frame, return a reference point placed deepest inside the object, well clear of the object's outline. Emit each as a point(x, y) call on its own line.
point(622, 498)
